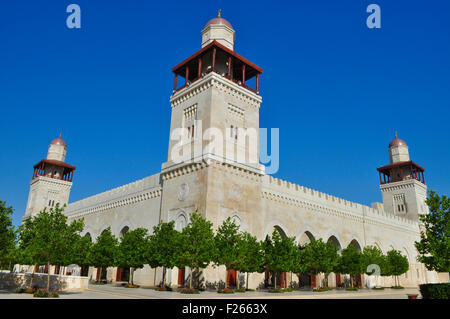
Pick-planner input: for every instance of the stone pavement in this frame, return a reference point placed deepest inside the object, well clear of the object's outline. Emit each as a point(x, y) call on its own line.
point(114, 292)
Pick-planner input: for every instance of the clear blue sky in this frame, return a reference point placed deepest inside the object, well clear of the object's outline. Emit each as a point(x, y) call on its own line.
point(336, 89)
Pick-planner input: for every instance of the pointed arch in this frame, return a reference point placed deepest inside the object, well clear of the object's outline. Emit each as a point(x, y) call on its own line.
point(333, 239)
point(126, 223)
point(237, 218)
point(181, 221)
point(87, 230)
point(355, 244)
point(102, 230)
point(406, 253)
point(276, 224)
point(123, 231)
point(280, 231)
point(89, 236)
point(305, 238)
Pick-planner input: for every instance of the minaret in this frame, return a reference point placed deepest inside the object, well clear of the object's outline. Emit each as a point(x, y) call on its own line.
point(220, 90)
point(217, 108)
point(217, 101)
point(51, 181)
point(402, 183)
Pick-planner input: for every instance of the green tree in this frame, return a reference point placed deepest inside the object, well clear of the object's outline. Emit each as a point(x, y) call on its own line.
point(250, 255)
point(104, 251)
point(320, 257)
point(163, 247)
point(280, 254)
point(372, 255)
point(350, 262)
point(397, 264)
point(300, 263)
point(7, 234)
point(47, 238)
point(24, 254)
point(434, 244)
point(197, 247)
point(132, 249)
point(81, 248)
point(226, 241)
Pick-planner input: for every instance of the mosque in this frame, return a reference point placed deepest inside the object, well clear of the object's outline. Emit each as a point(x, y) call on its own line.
point(221, 90)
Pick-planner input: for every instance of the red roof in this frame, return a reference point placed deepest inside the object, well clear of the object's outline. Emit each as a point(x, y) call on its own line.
point(56, 163)
point(222, 47)
point(400, 164)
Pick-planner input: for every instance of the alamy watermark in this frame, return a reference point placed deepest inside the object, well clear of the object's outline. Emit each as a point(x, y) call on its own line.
point(74, 19)
point(234, 144)
point(374, 19)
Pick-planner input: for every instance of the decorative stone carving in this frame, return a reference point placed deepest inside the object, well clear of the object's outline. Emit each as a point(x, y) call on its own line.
point(183, 191)
point(235, 193)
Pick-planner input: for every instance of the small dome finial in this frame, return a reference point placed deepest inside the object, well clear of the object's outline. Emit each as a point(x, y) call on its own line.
point(60, 134)
point(218, 14)
point(395, 134)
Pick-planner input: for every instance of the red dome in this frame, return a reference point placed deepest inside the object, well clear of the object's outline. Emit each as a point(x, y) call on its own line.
point(59, 141)
point(220, 21)
point(397, 142)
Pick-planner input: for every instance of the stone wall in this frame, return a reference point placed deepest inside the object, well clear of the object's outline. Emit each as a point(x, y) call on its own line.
point(132, 205)
point(13, 281)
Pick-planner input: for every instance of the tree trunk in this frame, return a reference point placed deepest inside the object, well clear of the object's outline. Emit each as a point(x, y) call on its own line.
point(99, 278)
point(48, 275)
point(246, 283)
point(275, 281)
point(237, 279)
point(132, 275)
point(351, 281)
point(164, 276)
point(291, 281)
point(226, 278)
point(190, 279)
point(32, 277)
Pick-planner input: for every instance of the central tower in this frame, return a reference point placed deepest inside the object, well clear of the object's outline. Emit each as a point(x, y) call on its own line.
point(216, 106)
point(219, 95)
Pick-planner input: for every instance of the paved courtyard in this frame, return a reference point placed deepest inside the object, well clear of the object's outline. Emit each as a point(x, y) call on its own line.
point(114, 292)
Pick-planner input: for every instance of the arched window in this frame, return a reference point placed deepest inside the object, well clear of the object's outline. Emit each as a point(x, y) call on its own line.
point(280, 231)
point(306, 237)
point(355, 244)
point(236, 220)
point(335, 242)
point(124, 231)
point(180, 222)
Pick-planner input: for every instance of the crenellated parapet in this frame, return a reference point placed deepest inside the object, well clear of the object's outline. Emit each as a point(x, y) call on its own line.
point(143, 189)
point(291, 194)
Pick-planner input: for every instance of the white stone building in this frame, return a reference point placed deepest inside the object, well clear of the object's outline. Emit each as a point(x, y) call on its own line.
point(215, 92)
